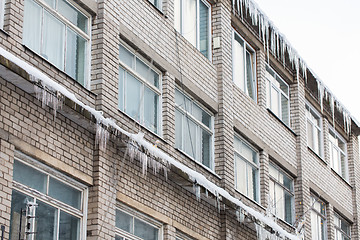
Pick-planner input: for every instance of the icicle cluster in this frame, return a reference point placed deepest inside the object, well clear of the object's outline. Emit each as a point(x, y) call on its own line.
point(279, 46)
point(47, 97)
point(272, 39)
point(146, 159)
point(102, 136)
point(264, 234)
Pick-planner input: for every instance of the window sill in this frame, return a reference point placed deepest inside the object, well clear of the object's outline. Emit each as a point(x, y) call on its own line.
point(274, 115)
point(251, 200)
point(343, 179)
point(199, 163)
point(61, 71)
point(317, 155)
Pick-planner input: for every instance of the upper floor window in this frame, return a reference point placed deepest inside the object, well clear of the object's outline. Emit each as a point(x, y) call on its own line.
point(281, 191)
point(156, 3)
point(132, 225)
point(246, 169)
point(193, 129)
point(277, 95)
point(139, 90)
point(244, 66)
point(318, 219)
point(59, 32)
point(2, 13)
point(342, 228)
point(192, 20)
point(56, 204)
point(338, 159)
point(314, 132)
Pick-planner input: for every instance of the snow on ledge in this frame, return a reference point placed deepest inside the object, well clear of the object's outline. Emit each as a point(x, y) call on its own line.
point(102, 134)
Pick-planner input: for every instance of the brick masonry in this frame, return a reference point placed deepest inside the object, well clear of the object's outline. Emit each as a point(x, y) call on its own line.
point(112, 177)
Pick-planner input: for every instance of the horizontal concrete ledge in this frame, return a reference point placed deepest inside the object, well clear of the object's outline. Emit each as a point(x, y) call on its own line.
point(50, 161)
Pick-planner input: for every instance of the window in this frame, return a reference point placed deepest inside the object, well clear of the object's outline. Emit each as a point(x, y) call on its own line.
point(246, 169)
point(139, 90)
point(318, 219)
point(132, 225)
point(342, 228)
point(277, 95)
point(56, 203)
point(192, 20)
point(2, 13)
point(59, 32)
point(314, 133)
point(156, 3)
point(281, 194)
point(244, 66)
point(193, 130)
point(338, 159)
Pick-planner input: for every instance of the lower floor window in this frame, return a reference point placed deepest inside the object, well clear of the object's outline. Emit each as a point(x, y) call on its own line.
point(342, 228)
point(44, 206)
point(318, 219)
point(133, 225)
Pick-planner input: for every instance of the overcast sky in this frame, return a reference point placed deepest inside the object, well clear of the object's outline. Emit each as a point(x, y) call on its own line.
point(326, 34)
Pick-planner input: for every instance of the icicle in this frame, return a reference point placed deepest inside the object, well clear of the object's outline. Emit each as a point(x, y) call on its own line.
point(48, 98)
point(101, 137)
point(197, 191)
point(332, 109)
point(240, 216)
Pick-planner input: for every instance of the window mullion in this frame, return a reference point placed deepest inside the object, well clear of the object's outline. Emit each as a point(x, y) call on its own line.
point(58, 224)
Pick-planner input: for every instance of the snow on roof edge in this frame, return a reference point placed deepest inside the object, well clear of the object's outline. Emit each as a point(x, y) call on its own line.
point(196, 177)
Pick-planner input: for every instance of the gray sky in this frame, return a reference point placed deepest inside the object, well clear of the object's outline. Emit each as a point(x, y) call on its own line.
point(326, 34)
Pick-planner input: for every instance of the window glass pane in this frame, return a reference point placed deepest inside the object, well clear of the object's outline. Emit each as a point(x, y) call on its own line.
point(69, 228)
point(238, 63)
point(32, 25)
point(75, 56)
point(51, 3)
point(274, 172)
point(275, 102)
point(206, 148)
point(144, 230)
point(179, 99)
point(126, 57)
point(268, 94)
point(151, 110)
point(189, 19)
point(204, 29)
point(177, 15)
point(285, 109)
point(29, 176)
point(65, 193)
point(206, 119)
point(343, 166)
point(240, 171)
point(247, 152)
point(251, 182)
point(196, 112)
point(73, 15)
point(310, 135)
point(45, 221)
point(119, 238)
point(146, 72)
point(272, 197)
point(18, 203)
point(121, 88)
point(124, 221)
point(53, 40)
point(314, 226)
point(190, 137)
point(287, 182)
point(133, 97)
point(178, 129)
point(250, 83)
point(280, 201)
point(288, 207)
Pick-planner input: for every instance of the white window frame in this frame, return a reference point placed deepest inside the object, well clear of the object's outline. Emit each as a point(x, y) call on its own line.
point(271, 85)
point(73, 27)
point(318, 215)
point(158, 5)
point(145, 83)
point(340, 151)
point(186, 116)
point(2, 13)
point(251, 51)
point(250, 164)
point(339, 233)
point(181, 21)
point(140, 216)
point(284, 188)
point(311, 110)
point(44, 197)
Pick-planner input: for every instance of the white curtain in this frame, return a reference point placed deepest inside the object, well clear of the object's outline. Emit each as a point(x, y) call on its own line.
point(32, 25)
point(189, 19)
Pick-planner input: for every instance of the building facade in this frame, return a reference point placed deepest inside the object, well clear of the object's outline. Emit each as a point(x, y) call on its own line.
point(167, 120)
